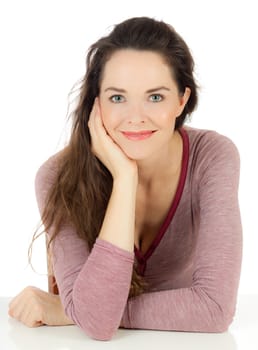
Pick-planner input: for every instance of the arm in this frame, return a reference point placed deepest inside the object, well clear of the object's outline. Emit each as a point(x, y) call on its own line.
point(209, 304)
point(101, 289)
point(83, 278)
point(94, 286)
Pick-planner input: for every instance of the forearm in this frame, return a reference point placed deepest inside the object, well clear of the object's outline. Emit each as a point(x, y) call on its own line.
point(119, 222)
point(101, 290)
point(184, 309)
point(94, 286)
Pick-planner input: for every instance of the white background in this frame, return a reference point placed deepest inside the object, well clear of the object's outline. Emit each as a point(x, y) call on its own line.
point(42, 54)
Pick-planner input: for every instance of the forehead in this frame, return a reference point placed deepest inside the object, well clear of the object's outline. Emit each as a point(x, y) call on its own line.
point(128, 65)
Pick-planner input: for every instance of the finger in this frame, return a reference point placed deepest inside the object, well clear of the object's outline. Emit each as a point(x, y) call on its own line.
point(97, 129)
point(14, 305)
point(92, 113)
point(16, 300)
point(98, 121)
point(20, 303)
point(31, 318)
point(16, 312)
point(96, 110)
point(29, 314)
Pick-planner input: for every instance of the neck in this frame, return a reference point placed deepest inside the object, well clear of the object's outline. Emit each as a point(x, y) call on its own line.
point(163, 165)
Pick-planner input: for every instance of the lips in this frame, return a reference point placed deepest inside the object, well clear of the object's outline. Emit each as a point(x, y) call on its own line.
point(138, 135)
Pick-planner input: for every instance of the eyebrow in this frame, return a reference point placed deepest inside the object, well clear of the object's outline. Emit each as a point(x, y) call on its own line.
point(112, 88)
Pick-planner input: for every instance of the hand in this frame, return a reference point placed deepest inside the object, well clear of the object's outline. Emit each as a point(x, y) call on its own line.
point(34, 308)
point(104, 147)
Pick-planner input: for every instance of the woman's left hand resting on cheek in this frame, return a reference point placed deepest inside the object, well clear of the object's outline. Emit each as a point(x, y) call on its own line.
point(34, 307)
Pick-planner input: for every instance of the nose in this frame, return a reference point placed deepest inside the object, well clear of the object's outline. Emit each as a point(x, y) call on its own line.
point(136, 114)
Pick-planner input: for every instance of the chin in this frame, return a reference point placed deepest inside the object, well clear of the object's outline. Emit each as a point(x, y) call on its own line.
point(136, 151)
point(137, 154)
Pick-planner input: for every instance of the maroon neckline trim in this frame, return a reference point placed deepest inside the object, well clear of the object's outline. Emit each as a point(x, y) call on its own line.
point(142, 258)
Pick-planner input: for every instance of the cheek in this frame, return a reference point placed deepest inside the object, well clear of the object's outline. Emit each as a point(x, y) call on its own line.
point(165, 118)
point(162, 112)
point(109, 118)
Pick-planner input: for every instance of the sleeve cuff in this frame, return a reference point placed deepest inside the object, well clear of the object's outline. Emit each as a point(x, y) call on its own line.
point(114, 249)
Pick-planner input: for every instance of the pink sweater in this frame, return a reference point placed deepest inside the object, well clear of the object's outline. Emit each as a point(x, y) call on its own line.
point(192, 267)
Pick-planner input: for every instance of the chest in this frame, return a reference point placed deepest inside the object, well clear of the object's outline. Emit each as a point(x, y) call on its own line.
point(151, 212)
point(165, 256)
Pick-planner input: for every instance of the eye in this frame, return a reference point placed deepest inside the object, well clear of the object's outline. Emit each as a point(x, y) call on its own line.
point(156, 98)
point(116, 98)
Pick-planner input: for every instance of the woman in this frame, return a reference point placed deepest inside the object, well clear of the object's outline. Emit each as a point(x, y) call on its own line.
point(141, 211)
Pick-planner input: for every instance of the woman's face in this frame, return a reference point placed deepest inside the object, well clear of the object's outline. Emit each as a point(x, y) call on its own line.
point(140, 102)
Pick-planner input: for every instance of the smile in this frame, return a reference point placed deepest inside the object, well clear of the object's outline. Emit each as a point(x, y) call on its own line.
point(138, 135)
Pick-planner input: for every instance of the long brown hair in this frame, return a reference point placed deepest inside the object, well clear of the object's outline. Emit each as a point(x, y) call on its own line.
point(83, 185)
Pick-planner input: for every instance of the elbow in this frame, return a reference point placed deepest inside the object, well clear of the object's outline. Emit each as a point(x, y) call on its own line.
point(95, 329)
point(211, 324)
point(220, 322)
point(215, 314)
point(94, 322)
point(100, 334)
point(218, 327)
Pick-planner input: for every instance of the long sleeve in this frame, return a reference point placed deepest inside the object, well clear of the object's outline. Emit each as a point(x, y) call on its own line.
point(208, 305)
point(93, 286)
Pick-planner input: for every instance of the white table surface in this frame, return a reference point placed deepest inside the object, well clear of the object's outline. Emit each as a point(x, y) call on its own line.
point(242, 335)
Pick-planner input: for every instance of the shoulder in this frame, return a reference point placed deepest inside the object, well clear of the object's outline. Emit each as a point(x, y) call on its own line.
point(213, 158)
point(209, 145)
point(46, 175)
point(48, 170)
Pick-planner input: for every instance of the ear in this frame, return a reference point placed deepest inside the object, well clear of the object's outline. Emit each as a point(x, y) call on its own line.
point(183, 98)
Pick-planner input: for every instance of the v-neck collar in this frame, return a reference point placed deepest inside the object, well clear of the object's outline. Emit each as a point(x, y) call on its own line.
point(142, 258)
